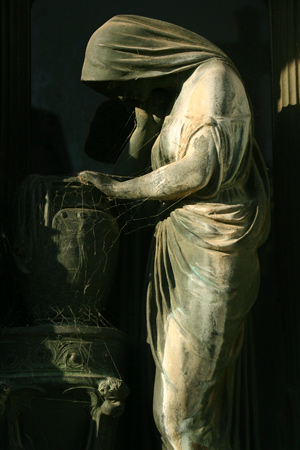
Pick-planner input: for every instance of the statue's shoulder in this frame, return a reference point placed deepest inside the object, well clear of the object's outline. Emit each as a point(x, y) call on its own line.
point(216, 72)
point(216, 89)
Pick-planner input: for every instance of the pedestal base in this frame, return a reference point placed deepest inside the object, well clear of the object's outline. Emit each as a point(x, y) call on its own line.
point(61, 387)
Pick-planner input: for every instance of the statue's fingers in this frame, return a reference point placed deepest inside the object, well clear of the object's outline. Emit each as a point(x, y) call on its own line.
point(84, 177)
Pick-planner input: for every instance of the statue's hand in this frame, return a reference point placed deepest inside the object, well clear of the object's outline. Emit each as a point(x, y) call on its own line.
point(103, 182)
point(147, 121)
point(151, 114)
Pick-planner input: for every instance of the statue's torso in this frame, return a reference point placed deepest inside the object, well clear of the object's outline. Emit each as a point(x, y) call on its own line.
point(215, 91)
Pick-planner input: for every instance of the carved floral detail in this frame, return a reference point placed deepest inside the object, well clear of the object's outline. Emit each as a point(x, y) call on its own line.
point(99, 354)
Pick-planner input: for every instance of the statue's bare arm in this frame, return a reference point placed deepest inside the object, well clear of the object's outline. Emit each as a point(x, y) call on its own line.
point(173, 181)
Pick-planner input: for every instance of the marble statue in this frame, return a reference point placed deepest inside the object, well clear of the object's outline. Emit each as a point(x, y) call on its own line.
point(194, 122)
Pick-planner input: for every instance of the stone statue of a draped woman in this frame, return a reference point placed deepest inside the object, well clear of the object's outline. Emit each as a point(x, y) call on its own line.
point(194, 120)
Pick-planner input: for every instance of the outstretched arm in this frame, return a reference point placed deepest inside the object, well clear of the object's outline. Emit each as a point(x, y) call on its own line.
point(173, 181)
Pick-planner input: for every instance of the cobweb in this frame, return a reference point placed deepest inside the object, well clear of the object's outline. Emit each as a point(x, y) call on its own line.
point(67, 242)
point(65, 247)
point(81, 258)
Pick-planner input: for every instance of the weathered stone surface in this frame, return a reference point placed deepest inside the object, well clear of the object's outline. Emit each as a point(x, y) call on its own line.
point(194, 121)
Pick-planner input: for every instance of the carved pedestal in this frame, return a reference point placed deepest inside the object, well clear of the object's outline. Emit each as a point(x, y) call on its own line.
point(61, 387)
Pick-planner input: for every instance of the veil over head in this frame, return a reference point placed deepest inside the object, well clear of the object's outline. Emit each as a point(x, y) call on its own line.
point(131, 47)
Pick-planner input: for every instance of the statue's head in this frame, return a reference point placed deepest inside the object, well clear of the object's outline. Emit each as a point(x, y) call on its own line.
point(139, 50)
point(146, 93)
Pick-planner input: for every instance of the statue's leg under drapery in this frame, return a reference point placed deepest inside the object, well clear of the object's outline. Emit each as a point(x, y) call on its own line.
point(193, 396)
point(198, 301)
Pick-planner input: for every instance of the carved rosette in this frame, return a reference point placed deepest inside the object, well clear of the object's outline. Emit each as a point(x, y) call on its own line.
point(61, 353)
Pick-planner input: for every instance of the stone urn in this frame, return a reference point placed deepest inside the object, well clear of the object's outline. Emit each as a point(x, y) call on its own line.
point(66, 249)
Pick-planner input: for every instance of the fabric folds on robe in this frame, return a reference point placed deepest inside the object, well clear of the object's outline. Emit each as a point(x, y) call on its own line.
point(205, 273)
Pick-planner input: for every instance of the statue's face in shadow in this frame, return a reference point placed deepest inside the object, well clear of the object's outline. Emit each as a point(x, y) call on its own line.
point(133, 93)
point(144, 93)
